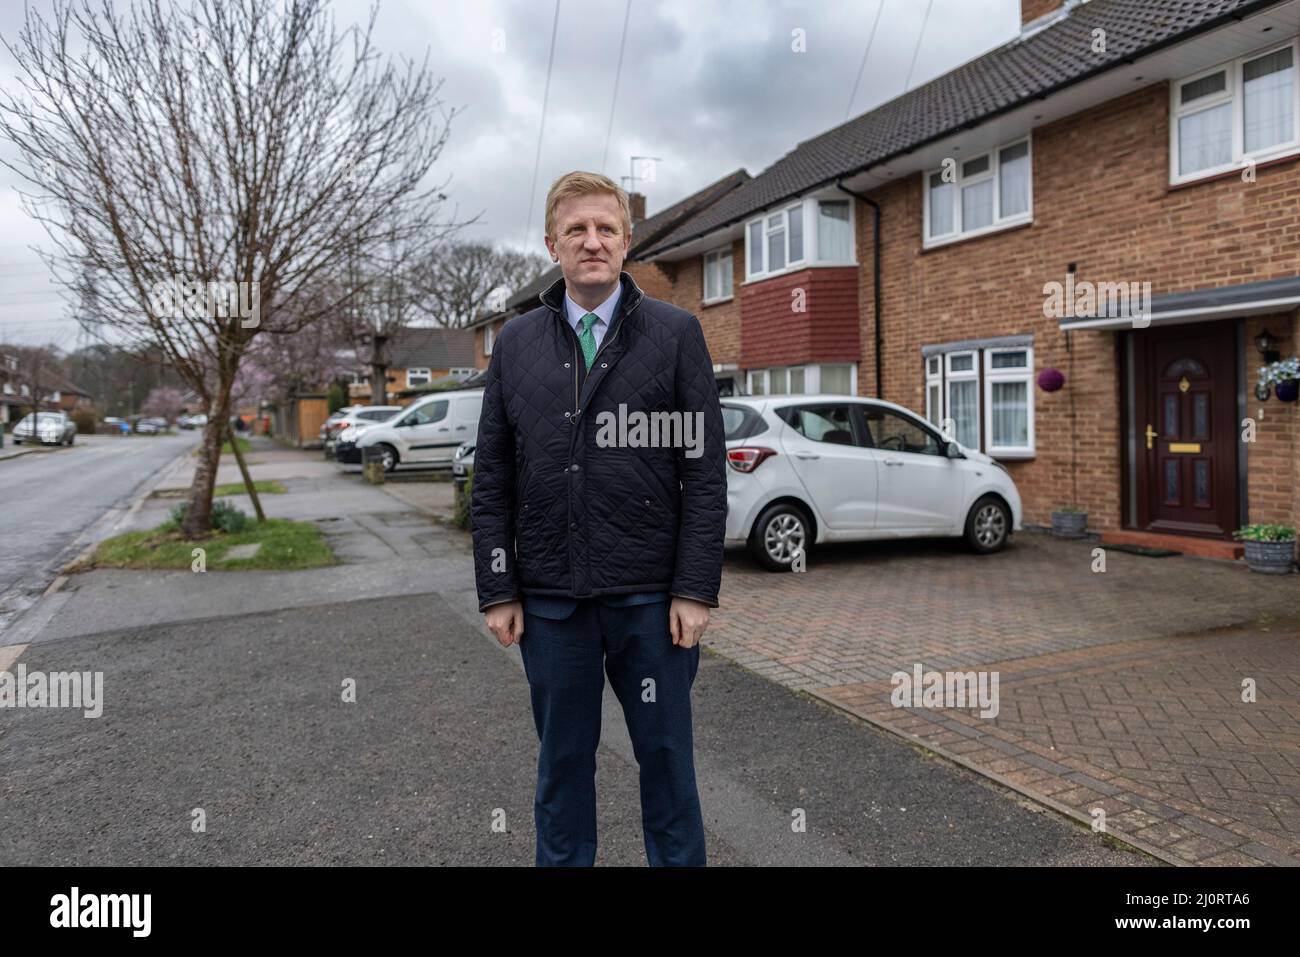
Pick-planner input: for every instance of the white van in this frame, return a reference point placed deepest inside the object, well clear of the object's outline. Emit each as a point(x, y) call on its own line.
point(428, 432)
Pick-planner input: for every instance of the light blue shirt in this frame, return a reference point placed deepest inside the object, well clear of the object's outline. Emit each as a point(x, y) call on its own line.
point(606, 311)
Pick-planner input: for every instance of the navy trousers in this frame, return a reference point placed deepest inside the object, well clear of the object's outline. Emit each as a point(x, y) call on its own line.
point(565, 643)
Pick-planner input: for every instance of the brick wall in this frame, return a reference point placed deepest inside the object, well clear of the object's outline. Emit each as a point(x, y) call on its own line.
point(1101, 200)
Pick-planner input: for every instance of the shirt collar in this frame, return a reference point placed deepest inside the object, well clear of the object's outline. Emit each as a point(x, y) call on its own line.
point(605, 310)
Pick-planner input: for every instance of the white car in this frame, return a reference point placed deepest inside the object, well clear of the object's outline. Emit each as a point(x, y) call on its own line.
point(428, 433)
point(807, 469)
point(48, 428)
point(353, 420)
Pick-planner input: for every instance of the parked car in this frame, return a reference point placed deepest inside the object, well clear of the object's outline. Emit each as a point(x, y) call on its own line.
point(354, 422)
point(151, 426)
point(48, 428)
point(427, 433)
point(808, 469)
point(463, 460)
point(112, 423)
point(327, 427)
point(196, 421)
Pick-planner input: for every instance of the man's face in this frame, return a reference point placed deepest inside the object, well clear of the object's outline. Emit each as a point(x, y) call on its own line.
point(589, 240)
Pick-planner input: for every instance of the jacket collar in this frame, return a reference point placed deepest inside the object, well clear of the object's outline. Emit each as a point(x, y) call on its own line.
point(553, 297)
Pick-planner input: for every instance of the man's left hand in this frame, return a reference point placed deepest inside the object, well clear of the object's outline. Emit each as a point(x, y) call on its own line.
point(687, 620)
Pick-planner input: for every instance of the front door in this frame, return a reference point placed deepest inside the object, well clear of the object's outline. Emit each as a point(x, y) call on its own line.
point(1186, 394)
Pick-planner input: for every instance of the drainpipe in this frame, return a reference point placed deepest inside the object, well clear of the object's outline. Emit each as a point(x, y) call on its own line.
point(875, 282)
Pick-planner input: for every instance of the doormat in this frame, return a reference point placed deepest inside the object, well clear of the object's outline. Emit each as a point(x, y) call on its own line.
point(1144, 550)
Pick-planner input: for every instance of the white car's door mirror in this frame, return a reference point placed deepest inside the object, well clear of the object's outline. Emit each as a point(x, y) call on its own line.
point(953, 451)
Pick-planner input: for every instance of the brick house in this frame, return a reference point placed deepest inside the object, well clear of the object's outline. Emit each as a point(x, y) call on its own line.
point(911, 253)
point(418, 357)
point(655, 279)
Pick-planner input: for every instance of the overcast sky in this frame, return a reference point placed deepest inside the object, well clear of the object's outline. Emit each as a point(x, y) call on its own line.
point(707, 87)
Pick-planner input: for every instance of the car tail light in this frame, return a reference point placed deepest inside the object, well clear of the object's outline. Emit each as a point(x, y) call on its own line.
point(746, 458)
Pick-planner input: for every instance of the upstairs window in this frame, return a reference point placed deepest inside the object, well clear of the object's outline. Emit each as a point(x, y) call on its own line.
point(978, 195)
point(1244, 110)
point(717, 275)
point(811, 231)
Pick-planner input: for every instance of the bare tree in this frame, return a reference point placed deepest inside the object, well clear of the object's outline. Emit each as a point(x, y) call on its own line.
point(460, 278)
point(202, 170)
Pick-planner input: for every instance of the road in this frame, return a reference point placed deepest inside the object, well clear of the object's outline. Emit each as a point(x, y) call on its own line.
point(51, 498)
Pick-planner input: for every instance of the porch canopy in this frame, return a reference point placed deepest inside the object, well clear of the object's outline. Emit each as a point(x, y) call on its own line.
point(1220, 302)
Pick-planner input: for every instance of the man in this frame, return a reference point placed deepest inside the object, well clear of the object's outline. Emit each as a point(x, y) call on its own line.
point(596, 544)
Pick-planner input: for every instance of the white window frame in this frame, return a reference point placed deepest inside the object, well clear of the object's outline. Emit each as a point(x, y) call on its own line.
point(713, 260)
point(808, 210)
point(934, 380)
point(1235, 93)
point(938, 372)
point(812, 373)
point(416, 372)
point(1023, 374)
point(995, 172)
point(489, 336)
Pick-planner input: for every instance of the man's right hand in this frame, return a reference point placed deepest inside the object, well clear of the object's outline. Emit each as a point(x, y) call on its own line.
point(506, 621)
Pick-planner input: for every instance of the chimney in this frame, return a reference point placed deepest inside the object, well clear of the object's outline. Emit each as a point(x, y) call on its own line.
point(1031, 10)
point(637, 202)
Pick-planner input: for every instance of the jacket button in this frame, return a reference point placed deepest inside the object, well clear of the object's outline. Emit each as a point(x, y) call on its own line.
point(574, 467)
point(566, 365)
point(567, 414)
point(573, 525)
point(604, 365)
point(647, 501)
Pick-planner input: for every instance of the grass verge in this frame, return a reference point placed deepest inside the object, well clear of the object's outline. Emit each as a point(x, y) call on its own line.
point(263, 487)
point(286, 546)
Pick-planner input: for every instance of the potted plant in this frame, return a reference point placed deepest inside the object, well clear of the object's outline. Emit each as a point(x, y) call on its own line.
point(1069, 521)
point(1270, 549)
point(1284, 377)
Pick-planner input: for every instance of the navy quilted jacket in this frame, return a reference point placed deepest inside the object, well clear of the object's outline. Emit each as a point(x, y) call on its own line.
point(557, 512)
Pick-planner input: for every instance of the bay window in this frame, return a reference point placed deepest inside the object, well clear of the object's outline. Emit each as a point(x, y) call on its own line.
point(785, 239)
point(822, 379)
point(980, 394)
point(717, 275)
point(984, 193)
point(1248, 109)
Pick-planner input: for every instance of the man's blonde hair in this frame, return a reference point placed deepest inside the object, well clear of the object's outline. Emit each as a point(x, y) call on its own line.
point(579, 183)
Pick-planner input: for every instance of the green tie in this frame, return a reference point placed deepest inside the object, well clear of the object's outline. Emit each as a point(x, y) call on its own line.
point(586, 339)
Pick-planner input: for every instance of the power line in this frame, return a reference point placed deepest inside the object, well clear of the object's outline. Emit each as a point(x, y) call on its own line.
point(861, 66)
point(546, 93)
point(618, 71)
point(928, 7)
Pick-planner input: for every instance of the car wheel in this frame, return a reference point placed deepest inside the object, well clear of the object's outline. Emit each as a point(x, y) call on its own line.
point(780, 532)
point(388, 457)
point(988, 525)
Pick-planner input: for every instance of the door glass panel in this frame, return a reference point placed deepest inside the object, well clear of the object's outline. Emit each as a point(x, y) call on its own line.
point(1171, 481)
point(428, 413)
point(894, 433)
point(1202, 483)
point(1201, 415)
point(1171, 417)
point(1185, 367)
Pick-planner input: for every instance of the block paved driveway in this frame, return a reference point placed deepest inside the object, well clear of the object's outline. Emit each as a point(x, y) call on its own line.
point(1119, 691)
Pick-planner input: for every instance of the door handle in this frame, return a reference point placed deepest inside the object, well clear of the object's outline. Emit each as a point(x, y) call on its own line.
point(1151, 434)
point(460, 428)
point(893, 461)
point(806, 455)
